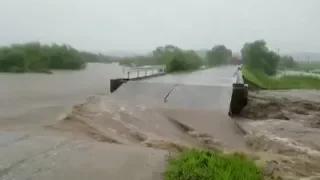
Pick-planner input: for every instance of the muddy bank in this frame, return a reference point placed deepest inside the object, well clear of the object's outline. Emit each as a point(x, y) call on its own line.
point(284, 126)
point(298, 105)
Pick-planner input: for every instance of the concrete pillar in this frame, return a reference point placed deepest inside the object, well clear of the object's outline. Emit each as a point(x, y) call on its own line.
point(239, 98)
point(115, 84)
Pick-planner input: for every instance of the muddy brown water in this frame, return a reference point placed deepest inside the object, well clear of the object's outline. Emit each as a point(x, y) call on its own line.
point(284, 126)
point(281, 125)
point(200, 99)
point(195, 113)
point(37, 98)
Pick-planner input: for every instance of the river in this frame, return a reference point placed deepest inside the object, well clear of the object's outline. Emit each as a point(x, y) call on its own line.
point(37, 99)
point(40, 97)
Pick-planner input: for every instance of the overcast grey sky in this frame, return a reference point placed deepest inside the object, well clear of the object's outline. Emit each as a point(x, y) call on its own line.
point(141, 25)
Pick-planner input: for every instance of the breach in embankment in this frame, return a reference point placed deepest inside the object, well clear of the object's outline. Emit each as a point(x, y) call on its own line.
point(282, 121)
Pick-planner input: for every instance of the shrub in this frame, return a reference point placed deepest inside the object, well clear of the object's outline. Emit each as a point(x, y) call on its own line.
point(198, 164)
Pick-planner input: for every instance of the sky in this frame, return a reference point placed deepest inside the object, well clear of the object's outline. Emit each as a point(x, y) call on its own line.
point(141, 25)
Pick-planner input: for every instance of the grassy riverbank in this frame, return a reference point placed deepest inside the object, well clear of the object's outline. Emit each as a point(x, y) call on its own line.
point(258, 79)
point(206, 164)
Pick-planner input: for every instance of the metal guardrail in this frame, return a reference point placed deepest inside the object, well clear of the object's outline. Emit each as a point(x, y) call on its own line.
point(137, 72)
point(140, 73)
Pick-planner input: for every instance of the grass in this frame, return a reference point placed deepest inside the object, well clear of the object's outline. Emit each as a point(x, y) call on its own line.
point(196, 164)
point(258, 79)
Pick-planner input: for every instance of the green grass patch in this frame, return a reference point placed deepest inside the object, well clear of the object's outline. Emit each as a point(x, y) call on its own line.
point(258, 79)
point(196, 164)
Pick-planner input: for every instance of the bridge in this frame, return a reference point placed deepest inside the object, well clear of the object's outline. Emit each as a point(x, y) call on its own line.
point(143, 71)
point(161, 106)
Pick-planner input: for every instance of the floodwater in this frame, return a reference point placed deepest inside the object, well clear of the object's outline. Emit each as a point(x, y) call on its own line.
point(30, 101)
point(195, 113)
point(31, 95)
point(36, 97)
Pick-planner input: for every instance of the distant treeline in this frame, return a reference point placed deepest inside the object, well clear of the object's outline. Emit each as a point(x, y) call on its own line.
point(254, 54)
point(177, 59)
point(173, 57)
point(36, 57)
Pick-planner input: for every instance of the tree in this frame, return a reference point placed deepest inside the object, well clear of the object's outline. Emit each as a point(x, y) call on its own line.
point(218, 55)
point(183, 61)
point(40, 58)
point(173, 57)
point(163, 54)
point(257, 55)
point(287, 62)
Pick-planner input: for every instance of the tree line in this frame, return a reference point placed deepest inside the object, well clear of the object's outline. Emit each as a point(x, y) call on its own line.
point(36, 57)
point(177, 59)
point(253, 54)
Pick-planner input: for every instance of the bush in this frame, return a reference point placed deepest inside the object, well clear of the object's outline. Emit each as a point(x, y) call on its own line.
point(197, 164)
point(182, 62)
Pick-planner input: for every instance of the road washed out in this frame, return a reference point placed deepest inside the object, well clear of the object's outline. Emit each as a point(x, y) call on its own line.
point(284, 126)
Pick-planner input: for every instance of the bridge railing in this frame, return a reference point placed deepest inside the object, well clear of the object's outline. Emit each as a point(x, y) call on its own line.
point(136, 73)
point(144, 71)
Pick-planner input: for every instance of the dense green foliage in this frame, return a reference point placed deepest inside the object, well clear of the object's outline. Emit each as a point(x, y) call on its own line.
point(257, 55)
point(35, 57)
point(218, 55)
point(177, 59)
point(260, 64)
point(209, 165)
point(183, 61)
point(173, 57)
